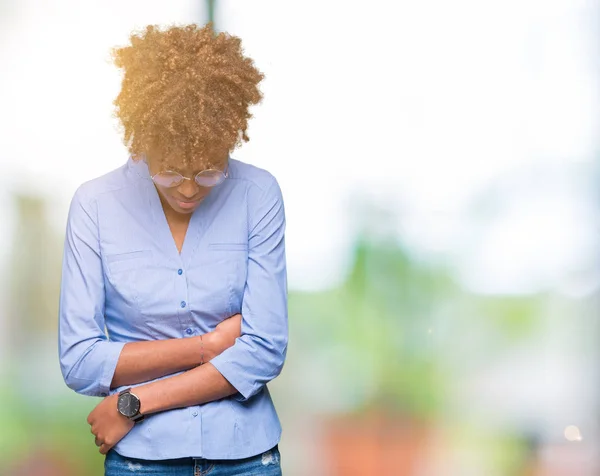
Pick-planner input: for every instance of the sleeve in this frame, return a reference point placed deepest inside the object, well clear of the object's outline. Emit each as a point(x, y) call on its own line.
point(258, 355)
point(87, 358)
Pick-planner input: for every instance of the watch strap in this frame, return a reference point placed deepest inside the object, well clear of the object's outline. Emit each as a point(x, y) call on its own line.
point(137, 418)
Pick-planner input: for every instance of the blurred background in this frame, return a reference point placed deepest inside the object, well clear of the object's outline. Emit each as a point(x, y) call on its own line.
point(444, 315)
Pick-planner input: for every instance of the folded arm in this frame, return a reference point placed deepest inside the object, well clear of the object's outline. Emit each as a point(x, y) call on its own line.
point(149, 360)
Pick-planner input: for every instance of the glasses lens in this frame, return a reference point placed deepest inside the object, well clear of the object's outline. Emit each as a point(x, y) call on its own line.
point(210, 178)
point(167, 179)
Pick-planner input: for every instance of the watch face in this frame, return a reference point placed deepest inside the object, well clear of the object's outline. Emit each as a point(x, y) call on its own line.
point(128, 405)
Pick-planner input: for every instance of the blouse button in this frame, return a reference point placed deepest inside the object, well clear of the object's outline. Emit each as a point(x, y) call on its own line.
point(180, 272)
point(182, 303)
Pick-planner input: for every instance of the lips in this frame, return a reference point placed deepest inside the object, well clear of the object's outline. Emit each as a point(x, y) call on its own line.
point(187, 205)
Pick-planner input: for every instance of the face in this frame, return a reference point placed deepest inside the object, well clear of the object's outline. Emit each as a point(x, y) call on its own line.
point(186, 197)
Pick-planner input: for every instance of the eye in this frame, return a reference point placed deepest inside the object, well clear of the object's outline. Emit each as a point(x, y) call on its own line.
point(168, 178)
point(210, 178)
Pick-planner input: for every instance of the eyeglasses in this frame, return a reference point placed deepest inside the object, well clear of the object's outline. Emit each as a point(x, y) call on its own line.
point(206, 178)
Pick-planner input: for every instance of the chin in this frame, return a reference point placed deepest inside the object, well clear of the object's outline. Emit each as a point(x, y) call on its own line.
point(184, 210)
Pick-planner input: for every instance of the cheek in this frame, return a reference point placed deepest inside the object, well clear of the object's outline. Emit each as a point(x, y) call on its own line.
point(165, 193)
point(167, 198)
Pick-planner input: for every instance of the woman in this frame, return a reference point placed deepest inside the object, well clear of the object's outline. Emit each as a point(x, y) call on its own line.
point(178, 256)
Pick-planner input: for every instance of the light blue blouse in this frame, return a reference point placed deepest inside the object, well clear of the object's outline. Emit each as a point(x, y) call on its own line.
point(124, 281)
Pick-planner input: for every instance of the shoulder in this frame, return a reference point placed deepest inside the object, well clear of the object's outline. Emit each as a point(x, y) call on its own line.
point(262, 193)
point(91, 190)
point(259, 182)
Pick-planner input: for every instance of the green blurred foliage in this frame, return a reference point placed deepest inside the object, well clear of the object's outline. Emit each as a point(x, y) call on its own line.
point(53, 432)
point(385, 334)
point(379, 319)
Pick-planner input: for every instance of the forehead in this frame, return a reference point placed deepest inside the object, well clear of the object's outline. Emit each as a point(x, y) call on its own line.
point(189, 166)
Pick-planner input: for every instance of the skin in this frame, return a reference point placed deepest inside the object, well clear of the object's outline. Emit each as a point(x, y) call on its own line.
point(144, 361)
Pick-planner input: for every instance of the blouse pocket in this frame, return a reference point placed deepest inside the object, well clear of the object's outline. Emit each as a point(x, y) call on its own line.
point(233, 258)
point(125, 272)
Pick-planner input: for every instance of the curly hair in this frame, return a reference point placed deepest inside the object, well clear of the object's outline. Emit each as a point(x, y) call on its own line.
point(185, 91)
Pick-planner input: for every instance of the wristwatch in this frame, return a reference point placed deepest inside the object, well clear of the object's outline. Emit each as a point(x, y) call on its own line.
point(128, 405)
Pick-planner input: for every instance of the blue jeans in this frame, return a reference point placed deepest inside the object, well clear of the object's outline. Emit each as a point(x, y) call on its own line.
point(265, 464)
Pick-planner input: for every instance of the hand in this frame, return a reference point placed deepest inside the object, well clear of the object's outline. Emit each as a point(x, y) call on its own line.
point(228, 331)
point(108, 425)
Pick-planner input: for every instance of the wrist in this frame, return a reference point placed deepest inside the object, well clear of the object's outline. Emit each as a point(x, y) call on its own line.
point(147, 404)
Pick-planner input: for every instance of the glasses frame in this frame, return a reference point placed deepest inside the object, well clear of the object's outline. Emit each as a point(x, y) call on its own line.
point(224, 174)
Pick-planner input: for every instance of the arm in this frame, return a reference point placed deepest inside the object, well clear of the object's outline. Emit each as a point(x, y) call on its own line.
point(259, 354)
point(145, 361)
point(87, 358)
point(199, 385)
point(90, 363)
point(195, 387)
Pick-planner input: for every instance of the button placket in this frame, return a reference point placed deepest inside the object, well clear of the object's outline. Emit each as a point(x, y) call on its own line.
point(188, 327)
point(184, 311)
point(195, 417)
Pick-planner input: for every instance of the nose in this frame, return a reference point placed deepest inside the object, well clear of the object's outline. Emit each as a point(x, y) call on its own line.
point(188, 188)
